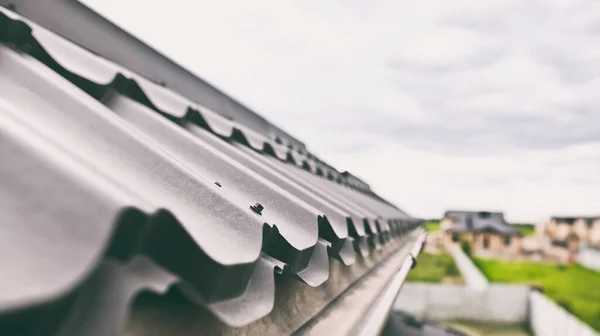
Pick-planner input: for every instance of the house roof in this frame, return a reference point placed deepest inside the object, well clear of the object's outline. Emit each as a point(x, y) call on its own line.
point(458, 213)
point(589, 220)
point(109, 174)
point(479, 221)
point(567, 220)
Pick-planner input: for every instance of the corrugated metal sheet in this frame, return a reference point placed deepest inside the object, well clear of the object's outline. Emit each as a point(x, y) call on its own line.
point(108, 175)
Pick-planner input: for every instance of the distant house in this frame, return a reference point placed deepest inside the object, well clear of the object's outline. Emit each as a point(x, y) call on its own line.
point(588, 230)
point(560, 231)
point(487, 232)
point(571, 232)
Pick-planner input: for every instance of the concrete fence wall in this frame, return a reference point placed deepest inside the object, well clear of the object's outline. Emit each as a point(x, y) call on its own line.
point(470, 273)
point(590, 258)
point(481, 301)
point(549, 319)
point(497, 303)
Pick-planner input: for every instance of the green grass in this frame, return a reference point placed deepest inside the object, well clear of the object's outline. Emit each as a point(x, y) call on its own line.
point(488, 329)
point(432, 226)
point(573, 287)
point(433, 268)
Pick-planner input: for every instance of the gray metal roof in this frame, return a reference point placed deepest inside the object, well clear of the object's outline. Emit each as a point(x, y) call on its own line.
point(567, 220)
point(479, 221)
point(588, 220)
point(107, 175)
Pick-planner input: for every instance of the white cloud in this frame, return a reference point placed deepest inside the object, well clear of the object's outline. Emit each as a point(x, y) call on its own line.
point(399, 92)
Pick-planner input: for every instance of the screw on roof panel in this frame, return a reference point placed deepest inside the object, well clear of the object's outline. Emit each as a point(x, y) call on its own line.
point(258, 208)
point(218, 184)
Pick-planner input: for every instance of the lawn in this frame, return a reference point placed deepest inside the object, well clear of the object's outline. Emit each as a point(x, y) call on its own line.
point(488, 329)
point(573, 287)
point(434, 268)
point(432, 226)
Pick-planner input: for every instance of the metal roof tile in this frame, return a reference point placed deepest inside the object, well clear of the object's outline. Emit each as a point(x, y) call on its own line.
point(296, 220)
point(127, 179)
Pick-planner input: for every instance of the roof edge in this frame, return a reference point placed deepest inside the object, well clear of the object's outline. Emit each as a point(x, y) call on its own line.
point(96, 33)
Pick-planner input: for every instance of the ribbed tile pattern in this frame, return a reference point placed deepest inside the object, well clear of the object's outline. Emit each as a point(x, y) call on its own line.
point(112, 184)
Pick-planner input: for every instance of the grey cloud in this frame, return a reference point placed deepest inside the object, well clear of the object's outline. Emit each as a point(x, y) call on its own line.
point(490, 23)
point(569, 69)
point(478, 61)
point(593, 28)
point(352, 147)
point(452, 126)
point(496, 133)
point(464, 132)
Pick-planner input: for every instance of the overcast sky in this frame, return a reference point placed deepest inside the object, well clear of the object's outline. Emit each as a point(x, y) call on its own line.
point(437, 104)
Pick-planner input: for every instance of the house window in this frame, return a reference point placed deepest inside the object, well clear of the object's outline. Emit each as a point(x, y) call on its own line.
point(455, 237)
point(506, 240)
point(486, 242)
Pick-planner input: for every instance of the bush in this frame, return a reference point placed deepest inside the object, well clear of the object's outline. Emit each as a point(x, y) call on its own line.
point(466, 247)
